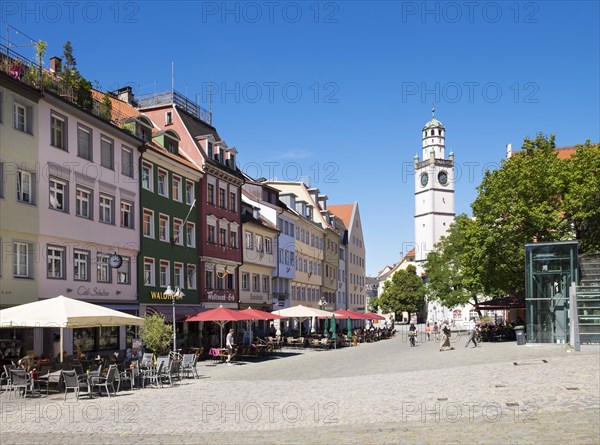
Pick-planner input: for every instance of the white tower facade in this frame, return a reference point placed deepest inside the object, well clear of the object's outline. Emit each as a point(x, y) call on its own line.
point(434, 191)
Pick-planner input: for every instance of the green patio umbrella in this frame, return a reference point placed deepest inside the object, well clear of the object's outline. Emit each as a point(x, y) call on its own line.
point(332, 328)
point(349, 327)
point(326, 327)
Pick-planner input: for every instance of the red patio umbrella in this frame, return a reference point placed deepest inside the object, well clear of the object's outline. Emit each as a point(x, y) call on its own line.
point(255, 314)
point(347, 313)
point(220, 316)
point(373, 316)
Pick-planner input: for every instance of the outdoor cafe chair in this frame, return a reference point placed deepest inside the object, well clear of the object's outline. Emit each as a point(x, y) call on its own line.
point(147, 360)
point(151, 374)
point(104, 382)
point(6, 376)
point(74, 382)
point(20, 380)
point(188, 366)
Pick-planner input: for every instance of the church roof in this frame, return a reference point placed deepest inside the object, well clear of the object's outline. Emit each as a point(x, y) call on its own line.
point(433, 123)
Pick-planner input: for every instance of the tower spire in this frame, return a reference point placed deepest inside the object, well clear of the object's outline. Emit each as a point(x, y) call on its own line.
point(432, 111)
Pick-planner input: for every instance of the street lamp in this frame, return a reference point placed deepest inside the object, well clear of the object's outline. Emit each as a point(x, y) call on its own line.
point(177, 293)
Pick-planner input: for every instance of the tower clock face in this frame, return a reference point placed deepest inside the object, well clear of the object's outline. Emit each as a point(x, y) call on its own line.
point(424, 179)
point(443, 177)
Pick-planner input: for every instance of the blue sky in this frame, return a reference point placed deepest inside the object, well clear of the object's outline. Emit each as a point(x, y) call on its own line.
point(338, 91)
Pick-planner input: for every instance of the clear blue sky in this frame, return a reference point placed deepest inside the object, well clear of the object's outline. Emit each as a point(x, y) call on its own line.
point(339, 91)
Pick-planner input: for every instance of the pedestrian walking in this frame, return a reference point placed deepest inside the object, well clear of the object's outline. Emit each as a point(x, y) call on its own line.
point(446, 333)
point(229, 343)
point(436, 331)
point(428, 332)
point(472, 335)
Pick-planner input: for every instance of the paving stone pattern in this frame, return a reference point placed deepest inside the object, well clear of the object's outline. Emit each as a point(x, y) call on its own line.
point(385, 392)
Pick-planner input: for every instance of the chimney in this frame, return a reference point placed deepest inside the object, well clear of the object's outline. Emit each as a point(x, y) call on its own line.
point(55, 64)
point(125, 94)
point(508, 150)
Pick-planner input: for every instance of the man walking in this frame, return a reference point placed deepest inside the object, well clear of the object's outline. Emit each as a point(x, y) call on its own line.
point(472, 335)
point(229, 344)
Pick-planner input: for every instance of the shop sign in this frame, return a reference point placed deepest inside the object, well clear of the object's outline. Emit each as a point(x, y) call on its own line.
point(212, 296)
point(162, 296)
point(92, 291)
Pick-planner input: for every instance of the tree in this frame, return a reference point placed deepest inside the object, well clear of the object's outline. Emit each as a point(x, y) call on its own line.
point(404, 292)
point(79, 88)
point(106, 107)
point(453, 272)
point(582, 197)
point(156, 334)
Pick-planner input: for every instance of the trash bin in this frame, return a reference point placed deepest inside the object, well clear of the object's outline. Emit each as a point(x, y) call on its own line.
point(520, 333)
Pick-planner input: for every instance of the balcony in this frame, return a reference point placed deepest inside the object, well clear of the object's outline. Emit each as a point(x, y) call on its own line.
point(178, 99)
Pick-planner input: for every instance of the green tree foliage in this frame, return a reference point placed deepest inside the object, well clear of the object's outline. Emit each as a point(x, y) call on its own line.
point(404, 292)
point(533, 197)
point(582, 197)
point(452, 269)
point(156, 334)
point(79, 88)
point(106, 107)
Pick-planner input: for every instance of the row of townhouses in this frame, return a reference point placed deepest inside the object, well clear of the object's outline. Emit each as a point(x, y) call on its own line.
point(117, 200)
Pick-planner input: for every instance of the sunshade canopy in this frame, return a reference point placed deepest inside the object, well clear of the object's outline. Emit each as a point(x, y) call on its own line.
point(372, 316)
point(302, 312)
point(350, 314)
point(255, 314)
point(219, 314)
point(65, 313)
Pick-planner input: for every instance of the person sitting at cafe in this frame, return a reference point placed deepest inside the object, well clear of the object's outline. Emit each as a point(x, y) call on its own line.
point(28, 362)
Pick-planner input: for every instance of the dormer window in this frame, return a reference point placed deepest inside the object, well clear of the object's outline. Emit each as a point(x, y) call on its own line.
point(168, 118)
point(231, 160)
point(171, 146)
point(210, 149)
point(221, 156)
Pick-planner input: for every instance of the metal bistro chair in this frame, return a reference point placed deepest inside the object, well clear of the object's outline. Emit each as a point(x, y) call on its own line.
point(188, 366)
point(147, 360)
point(6, 376)
point(152, 374)
point(104, 382)
point(20, 380)
point(74, 382)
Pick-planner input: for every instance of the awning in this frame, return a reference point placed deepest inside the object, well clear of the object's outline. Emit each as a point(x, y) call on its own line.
point(181, 312)
point(502, 303)
point(121, 307)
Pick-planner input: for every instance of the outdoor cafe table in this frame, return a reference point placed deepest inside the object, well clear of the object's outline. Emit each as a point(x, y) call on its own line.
point(51, 377)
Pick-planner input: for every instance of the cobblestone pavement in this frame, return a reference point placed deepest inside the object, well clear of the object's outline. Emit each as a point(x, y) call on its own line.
point(385, 392)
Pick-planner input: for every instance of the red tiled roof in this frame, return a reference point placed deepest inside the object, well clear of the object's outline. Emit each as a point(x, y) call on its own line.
point(565, 152)
point(343, 212)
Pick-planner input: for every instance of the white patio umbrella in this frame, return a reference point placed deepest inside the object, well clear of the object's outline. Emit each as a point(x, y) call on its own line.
point(302, 313)
point(64, 312)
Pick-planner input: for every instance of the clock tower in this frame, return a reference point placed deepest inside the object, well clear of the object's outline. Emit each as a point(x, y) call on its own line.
point(434, 191)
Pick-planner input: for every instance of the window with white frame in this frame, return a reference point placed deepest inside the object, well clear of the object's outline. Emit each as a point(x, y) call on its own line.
point(22, 260)
point(149, 272)
point(107, 205)
point(222, 202)
point(176, 183)
point(24, 187)
point(209, 277)
point(178, 275)
point(147, 176)
point(233, 239)
point(124, 272)
point(190, 192)
point(190, 234)
point(81, 265)
point(163, 228)
point(84, 142)
point(255, 282)
point(55, 257)
point(20, 117)
point(249, 240)
point(231, 281)
point(268, 245)
point(148, 223)
point(162, 183)
point(58, 131)
point(127, 161)
point(107, 153)
point(127, 214)
point(245, 281)
point(259, 243)
point(178, 231)
point(59, 197)
point(83, 202)
point(222, 237)
point(191, 276)
point(265, 283)
point(103, 270)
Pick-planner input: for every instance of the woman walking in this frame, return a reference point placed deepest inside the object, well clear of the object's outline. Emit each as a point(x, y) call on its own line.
point(445, 337)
